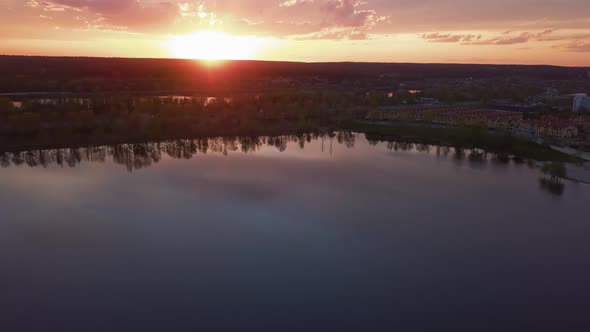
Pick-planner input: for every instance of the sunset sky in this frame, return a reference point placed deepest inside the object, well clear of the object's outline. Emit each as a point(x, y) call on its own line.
point(467, 31)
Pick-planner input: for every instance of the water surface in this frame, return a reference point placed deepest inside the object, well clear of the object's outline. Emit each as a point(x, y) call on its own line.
point(262, 234)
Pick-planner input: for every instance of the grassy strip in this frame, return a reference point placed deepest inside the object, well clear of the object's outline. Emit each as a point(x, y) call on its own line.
point(461, 137)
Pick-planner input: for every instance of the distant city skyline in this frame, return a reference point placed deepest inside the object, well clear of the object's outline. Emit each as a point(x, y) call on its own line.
point(444, 31)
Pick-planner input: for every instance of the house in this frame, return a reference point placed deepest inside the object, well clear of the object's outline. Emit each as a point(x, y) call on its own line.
point(581, 102)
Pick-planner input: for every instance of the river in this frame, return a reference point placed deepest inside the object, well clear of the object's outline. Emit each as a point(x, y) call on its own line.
point(289, 234)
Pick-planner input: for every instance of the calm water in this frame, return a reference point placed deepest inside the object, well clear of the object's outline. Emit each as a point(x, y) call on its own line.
point(341, 234)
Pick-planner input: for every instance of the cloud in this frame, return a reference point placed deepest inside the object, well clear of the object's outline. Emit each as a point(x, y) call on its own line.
point(134, 15)
point(575, 46)
point(519, 39)
point(500, 22)
point(291, 3)
point(477, 39)
point(103, 6)
point(302, 19)
point(577, 42)
point(343, 19)
point(450, 38)
point(548, 35)
point(335, 34)
point(503, 38)
point(346, 13)
point(405, 16)
point(317, 18)
point(498, 15)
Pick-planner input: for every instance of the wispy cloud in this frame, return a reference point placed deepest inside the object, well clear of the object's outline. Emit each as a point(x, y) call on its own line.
point(450, 38)
point(122, 14)
point(575, 46)
point(557, 27)
point(507, 38)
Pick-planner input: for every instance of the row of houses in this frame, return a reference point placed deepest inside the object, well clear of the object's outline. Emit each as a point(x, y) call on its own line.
point(473, 116)
point(550, 126)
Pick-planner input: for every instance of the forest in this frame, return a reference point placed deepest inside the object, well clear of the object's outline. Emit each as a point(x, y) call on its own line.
point(80, 74)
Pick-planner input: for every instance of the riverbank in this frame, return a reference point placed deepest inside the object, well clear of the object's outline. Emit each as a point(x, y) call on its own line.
point(96, 131)
point(463, 137)
point(572, 152)
point(59, 139)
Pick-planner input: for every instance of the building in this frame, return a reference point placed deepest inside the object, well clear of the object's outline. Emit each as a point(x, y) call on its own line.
point(511, 106)
point(581, 102)
point(428, 101)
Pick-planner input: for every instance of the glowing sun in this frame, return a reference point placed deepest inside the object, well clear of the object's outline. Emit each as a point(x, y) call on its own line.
point(214, 45)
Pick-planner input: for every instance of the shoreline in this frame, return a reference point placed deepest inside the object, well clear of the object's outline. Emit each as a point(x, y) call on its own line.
point(465, 137)
point(468, 138)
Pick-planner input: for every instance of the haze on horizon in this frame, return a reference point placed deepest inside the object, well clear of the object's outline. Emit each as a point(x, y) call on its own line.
point(525, 32)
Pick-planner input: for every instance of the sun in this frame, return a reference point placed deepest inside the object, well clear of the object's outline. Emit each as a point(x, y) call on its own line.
point(213, 46)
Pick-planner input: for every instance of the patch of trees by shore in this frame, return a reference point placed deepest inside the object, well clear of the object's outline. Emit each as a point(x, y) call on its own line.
point(181, 115)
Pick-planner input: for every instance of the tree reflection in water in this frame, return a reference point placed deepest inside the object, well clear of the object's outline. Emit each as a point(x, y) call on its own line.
point(136, 156)
point(552, 187)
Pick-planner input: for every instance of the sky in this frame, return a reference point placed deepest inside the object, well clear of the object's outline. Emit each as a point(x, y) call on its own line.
point(443, 31)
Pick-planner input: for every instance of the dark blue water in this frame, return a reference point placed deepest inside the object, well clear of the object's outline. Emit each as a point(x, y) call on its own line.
point(325, 238)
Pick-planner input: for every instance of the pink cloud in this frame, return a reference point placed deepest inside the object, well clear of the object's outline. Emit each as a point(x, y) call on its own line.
point(113, 14)
point(504, 38)
point(576, 46)
point(450, 38)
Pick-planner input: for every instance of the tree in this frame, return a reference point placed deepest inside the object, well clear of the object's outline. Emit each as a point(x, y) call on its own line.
point(555, 170)
point(5, 105)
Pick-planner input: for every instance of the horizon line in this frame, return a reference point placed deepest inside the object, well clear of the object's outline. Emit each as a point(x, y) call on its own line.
point(302, 62)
